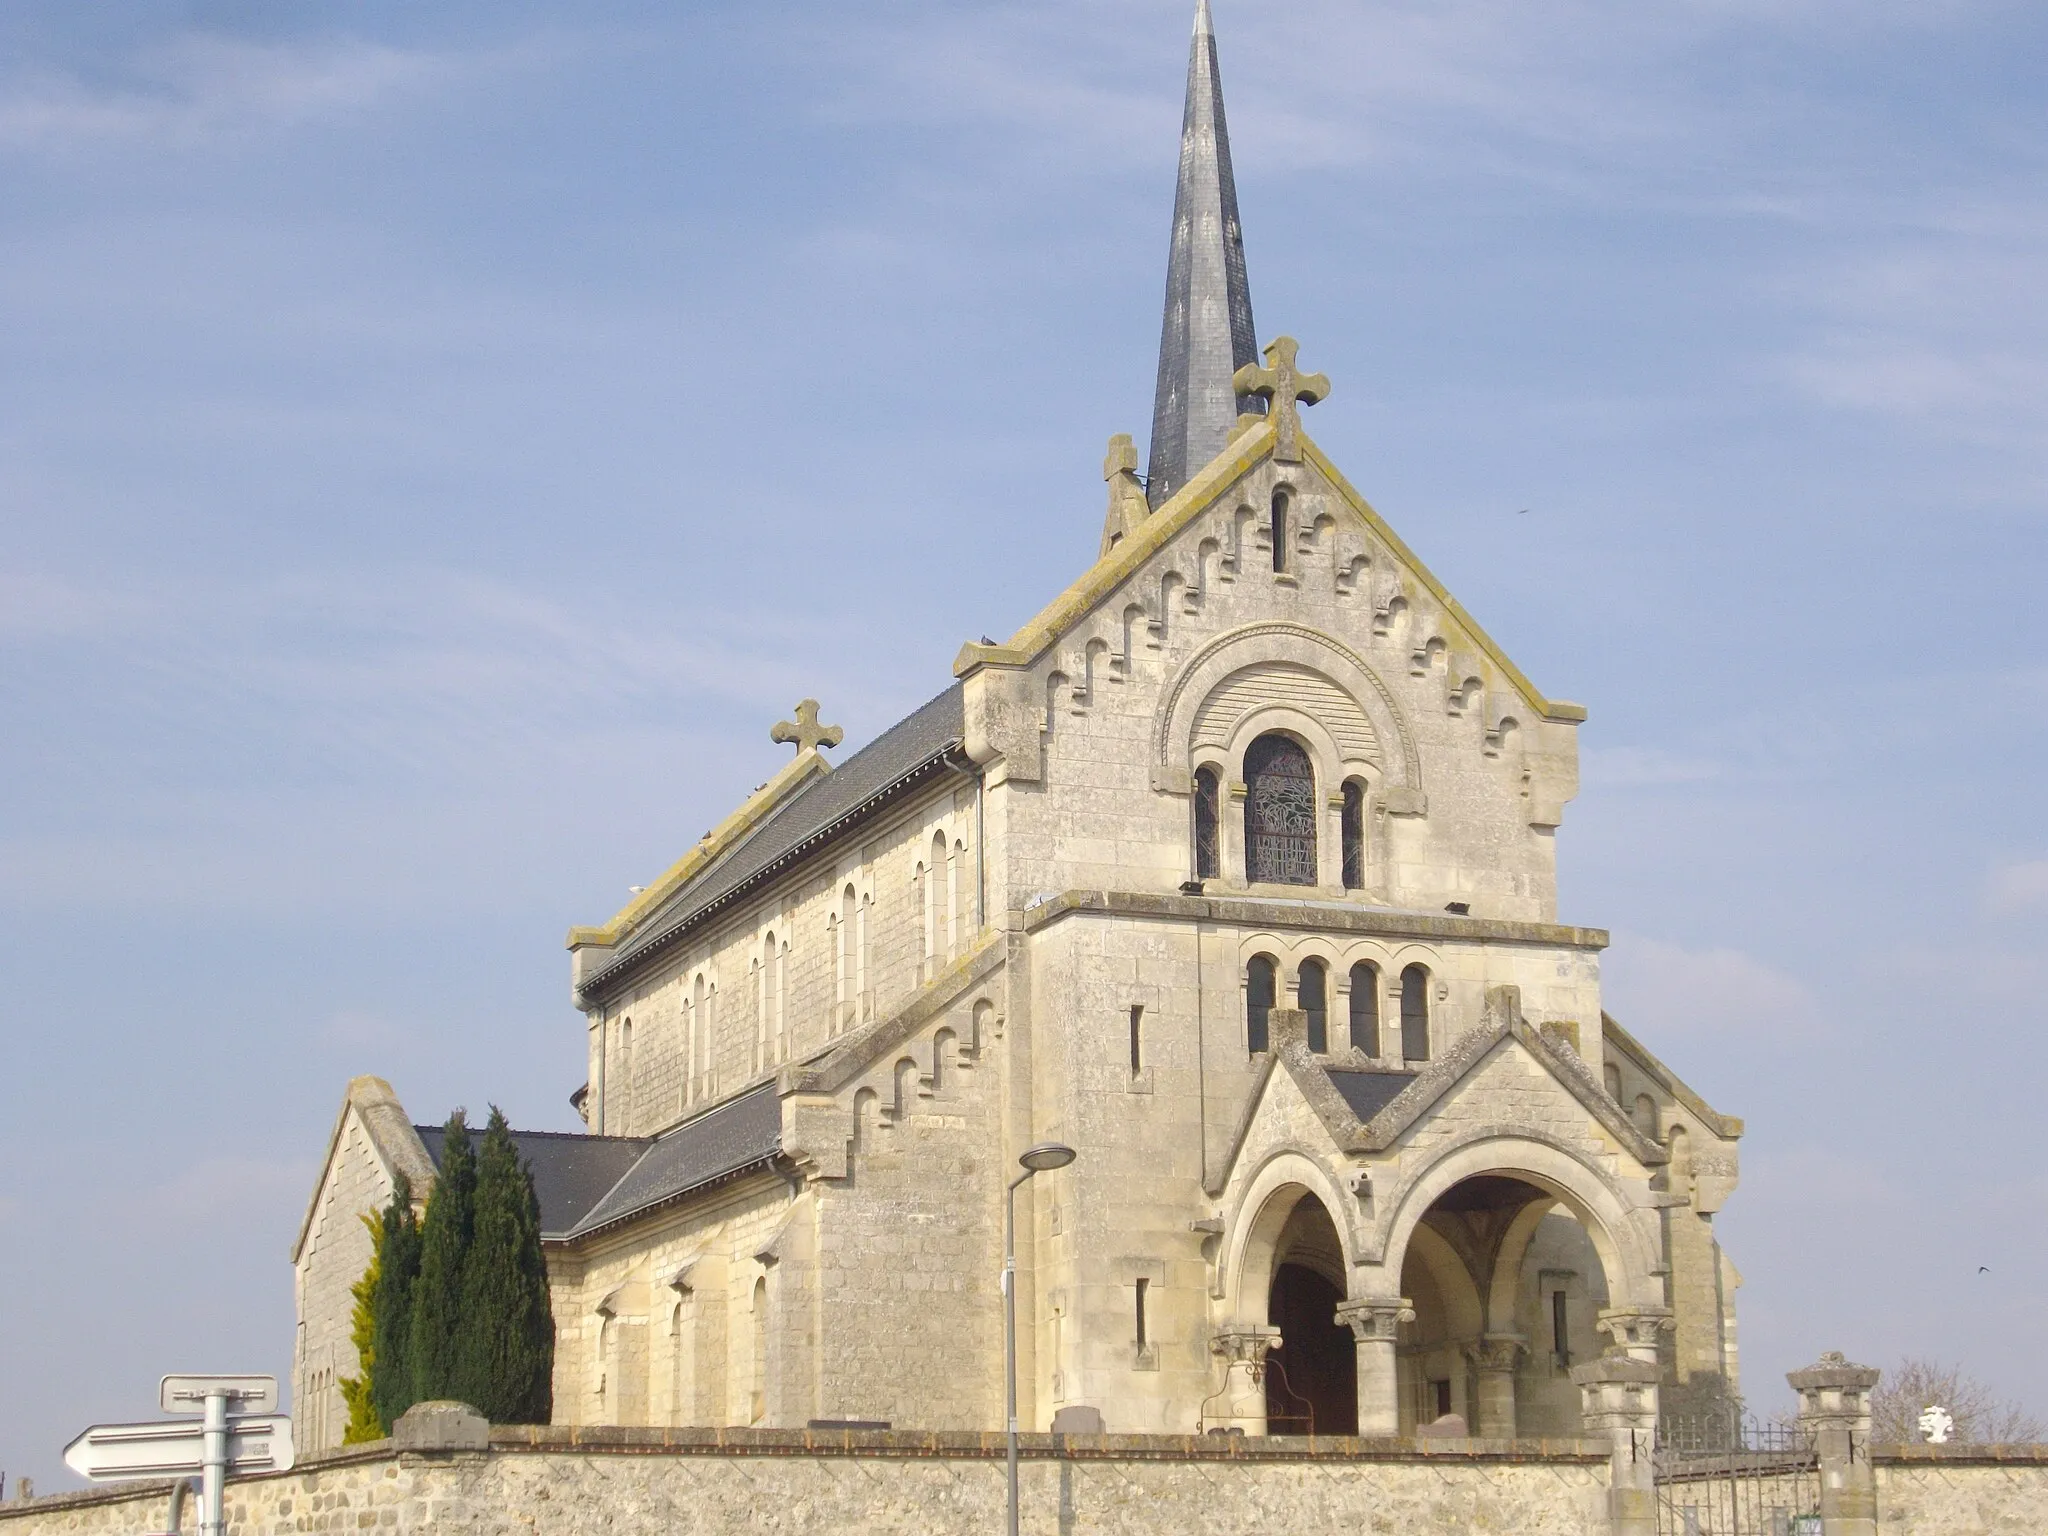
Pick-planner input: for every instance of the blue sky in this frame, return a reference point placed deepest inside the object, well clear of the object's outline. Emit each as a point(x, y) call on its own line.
point(437, 442)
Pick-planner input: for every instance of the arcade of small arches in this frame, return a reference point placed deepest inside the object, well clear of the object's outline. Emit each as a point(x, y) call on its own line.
point(1504, 1287)
point(1362, 992)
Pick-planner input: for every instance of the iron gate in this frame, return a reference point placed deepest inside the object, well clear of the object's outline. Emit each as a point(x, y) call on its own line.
point(1724, 1474)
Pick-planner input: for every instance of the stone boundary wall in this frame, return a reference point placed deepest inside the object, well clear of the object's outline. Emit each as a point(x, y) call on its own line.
point(1961, 1490)
point(558, 1481)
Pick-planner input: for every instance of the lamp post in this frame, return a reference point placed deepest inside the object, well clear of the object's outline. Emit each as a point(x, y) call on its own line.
point(1038, 1159)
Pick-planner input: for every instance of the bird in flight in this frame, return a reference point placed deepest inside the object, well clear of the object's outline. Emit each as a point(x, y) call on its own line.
point(1523, 513)
point(1983, 1269)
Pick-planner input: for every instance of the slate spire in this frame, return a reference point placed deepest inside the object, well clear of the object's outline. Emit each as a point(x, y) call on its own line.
point(1207, 333)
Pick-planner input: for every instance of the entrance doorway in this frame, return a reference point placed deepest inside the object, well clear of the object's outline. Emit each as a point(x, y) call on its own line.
point(1312, 1378)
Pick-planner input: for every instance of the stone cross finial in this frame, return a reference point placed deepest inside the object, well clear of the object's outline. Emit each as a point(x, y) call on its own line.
point(804, 731)
point(1282, 386)
point(1127, 505)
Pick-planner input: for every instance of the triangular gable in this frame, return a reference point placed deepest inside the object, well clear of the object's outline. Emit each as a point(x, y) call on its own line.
point(393, 1141)
point(1310, 1076)
point(1222, 474)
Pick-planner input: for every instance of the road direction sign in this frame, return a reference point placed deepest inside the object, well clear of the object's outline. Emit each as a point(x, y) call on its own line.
point(124, 1453)
point(245, 1394)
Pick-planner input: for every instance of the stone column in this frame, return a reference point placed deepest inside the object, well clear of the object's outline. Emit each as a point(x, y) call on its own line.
point(1635, 1329)
point(1834, 1407)
point(1618, 1403)
point(1243, 1348)
point(1375, 1325)
point(1495, 1357)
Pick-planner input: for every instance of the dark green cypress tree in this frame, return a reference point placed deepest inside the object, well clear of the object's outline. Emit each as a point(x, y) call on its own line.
point(444, 1245)
point(398, 1268)
point(505, 1338)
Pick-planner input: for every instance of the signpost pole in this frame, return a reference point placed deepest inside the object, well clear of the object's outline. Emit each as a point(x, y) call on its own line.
point(214, 1470)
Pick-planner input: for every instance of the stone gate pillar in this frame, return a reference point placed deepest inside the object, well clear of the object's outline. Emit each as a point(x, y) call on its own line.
point(1494, 1358)
point(1834, 1407)
point(1374, 1324)
point(1618, 1403)
point(1243, 1348)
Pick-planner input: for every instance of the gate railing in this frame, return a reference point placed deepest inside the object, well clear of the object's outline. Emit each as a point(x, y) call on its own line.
point(1726, 1474)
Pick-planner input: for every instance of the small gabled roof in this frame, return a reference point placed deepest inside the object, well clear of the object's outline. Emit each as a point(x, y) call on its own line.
point(392, 1142)
point(806, 817)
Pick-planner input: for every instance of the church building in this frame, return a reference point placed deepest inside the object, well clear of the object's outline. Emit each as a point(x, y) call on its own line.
point(1234, 871)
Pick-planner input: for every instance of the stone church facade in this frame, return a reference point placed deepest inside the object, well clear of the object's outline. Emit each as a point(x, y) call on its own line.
point(1234, 869)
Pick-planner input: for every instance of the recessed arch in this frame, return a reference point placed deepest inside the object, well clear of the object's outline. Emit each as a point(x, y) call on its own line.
point(1278, 641)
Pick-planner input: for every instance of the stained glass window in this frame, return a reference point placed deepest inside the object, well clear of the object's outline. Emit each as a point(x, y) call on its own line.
point(1208, 818)
point(1279, 813)
point(1354, 835)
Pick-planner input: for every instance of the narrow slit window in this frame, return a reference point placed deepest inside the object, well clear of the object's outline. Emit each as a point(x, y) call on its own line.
point(1142, 1287)
point(1560, 1331)
point(1258, 1002)
point(1279, 528)
point(1137, 1038)
point(1365, 1008)
point(1313, 990)
point(1353, 821)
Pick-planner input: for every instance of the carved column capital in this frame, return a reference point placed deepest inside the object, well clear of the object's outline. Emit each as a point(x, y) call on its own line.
point(1245, 1344)
point(1376, 1321)
point(1497, 1351)
point(1635, 1329)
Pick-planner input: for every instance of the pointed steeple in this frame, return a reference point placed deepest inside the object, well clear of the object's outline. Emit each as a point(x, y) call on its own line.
point(1207, 333)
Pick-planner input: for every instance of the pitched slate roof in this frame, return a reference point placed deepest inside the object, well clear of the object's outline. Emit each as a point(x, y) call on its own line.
point(571, 1172)
point(907, 753)
point(587, 1182)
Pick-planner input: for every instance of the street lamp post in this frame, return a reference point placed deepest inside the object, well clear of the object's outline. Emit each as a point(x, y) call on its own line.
point(1039, 1159)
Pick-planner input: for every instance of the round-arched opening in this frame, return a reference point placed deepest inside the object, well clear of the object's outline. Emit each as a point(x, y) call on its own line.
point(1312, 1378)
point(1279, 812)
point(1507, 1287)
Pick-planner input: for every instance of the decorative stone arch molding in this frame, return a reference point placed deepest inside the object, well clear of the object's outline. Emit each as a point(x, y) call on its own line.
point(1621, 1231)
point(1255, 1219)
point(1309, 658)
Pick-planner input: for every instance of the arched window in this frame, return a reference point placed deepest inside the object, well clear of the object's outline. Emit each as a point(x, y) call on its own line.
point(1312, 987)
point(1354, 835)
point(1415, 1013)
point(1208, 822)
point(1279, 528)
point(1365, 1008)
point(1279, 813)
point(1258, 1002)
point(843, 998)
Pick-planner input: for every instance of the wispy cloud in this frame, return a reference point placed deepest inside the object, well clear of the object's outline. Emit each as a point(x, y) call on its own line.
point(1663, 990)
point(2021, 887)
point(200, 87)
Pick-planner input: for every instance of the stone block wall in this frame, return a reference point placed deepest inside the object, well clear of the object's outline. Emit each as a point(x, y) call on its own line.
point(1961, 1490)
point(911, 918)
point(555, 1482)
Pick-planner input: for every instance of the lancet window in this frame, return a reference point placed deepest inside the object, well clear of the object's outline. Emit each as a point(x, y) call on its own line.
point(1259, 976)
point(1279, 813)
point(1208, 824)
point(1415, 1013)
point(1312, 988)
point(1352, 820)
point(1365, 1008)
